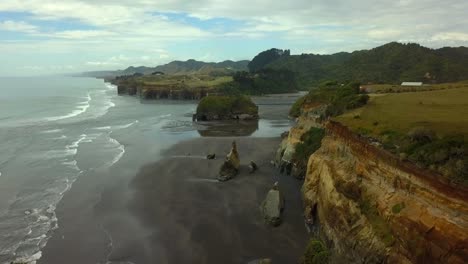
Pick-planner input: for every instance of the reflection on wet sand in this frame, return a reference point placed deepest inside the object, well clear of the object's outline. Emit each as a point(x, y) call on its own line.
point(233, 128)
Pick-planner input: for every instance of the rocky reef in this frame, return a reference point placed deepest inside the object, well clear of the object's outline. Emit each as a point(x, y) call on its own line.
point(373, 208)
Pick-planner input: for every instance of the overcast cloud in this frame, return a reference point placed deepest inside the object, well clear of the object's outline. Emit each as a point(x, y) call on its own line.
point(45, 36)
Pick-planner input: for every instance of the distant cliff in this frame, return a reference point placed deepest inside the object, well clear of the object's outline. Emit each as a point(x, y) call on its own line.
point(178, 67)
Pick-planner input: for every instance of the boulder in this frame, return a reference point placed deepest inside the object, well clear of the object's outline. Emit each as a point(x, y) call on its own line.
point(231, 165)
point(211, 156)
point(272, 207)
point(252, 167)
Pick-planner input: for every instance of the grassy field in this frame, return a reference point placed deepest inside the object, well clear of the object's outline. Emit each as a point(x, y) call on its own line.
point(188, 81)
point(389, 88)
point(445, 111)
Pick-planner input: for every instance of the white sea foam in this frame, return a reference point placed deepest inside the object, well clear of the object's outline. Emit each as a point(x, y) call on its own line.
point(61, 137)
point(121, 149)
point(77, 143)
point(110, 86)
point(30, 260)
point(102, 128)
point(70, 150)
point(71, 164)
point(81, 108)
point(127, 125)
point(119, 156)
point(53, 154)
point(51, 131)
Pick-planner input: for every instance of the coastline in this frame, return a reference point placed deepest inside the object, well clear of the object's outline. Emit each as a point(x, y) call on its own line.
point(111, 216)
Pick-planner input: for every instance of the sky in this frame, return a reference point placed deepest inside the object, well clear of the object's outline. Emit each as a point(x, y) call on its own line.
point(64, 36)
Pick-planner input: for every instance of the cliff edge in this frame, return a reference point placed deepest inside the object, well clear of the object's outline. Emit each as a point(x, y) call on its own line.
point(371, 207)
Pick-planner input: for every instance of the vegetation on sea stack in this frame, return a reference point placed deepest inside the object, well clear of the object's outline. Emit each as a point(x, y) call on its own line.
point(226, 107)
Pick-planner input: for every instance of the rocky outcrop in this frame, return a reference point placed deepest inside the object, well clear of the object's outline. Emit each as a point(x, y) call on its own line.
point(231, 165)
point(373, 208)
point(272, 207)
point(310, 118)
point(155, 92)
point(173, 93)
point(212, 108)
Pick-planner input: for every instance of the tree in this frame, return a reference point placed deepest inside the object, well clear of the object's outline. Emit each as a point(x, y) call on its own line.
point(266, 57)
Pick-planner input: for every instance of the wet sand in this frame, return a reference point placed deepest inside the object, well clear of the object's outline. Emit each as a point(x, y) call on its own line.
point(173, 211)
point(196, 219)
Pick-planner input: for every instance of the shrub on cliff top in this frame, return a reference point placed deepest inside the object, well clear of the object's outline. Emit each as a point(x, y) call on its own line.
point(311, 141)
point(295, 110)
point(338, 97)
point(448, 155)
point(421, 135)
point(315, 253)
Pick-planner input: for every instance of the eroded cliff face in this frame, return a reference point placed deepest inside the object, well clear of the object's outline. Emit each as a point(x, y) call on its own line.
point(309, 118)
point(372, 208)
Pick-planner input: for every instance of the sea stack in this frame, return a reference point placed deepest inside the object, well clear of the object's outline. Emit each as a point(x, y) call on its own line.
point(231, 165)
point(273, 205)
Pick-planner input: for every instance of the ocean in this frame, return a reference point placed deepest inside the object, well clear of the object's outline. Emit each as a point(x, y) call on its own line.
point(54, 130)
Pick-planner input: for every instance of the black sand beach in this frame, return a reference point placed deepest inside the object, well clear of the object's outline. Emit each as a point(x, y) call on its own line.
point(196, 219)
point(173, 211)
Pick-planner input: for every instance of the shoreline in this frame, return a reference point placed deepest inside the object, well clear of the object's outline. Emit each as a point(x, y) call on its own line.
point(101, 220)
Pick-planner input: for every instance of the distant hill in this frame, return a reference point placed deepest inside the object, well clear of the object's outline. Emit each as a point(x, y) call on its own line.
point(391, 63)
point(178, 67)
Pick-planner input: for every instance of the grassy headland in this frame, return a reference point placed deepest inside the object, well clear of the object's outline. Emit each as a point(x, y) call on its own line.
point(428, 128)
point(443, 111)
